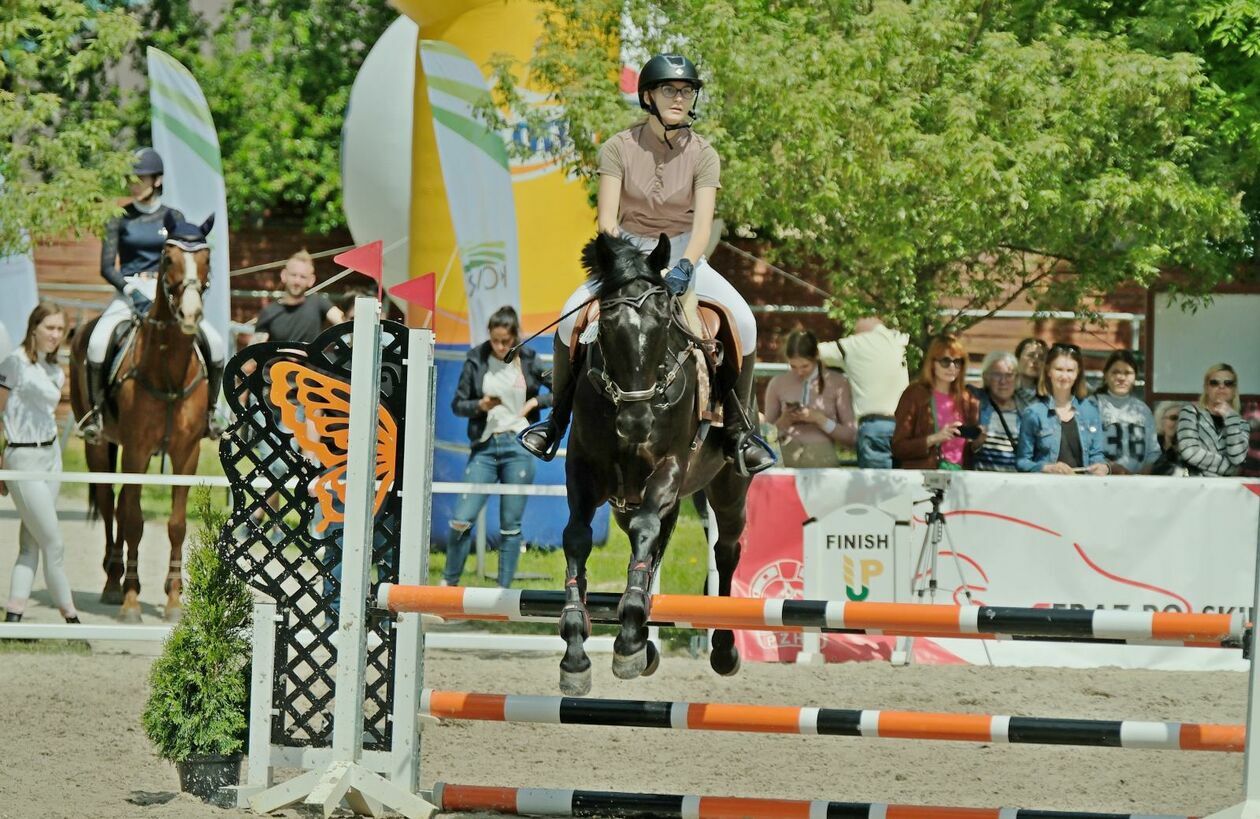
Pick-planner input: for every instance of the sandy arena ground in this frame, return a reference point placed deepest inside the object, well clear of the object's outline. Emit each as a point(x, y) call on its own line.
point(72, 745)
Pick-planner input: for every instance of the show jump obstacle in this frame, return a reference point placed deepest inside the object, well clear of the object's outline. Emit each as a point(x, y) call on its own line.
point(337, 684)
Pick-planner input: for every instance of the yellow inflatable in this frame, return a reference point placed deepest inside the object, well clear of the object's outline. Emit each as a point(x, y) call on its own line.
point(460, 176)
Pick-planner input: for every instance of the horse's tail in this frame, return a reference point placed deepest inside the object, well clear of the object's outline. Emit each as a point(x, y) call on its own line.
point(93, 509)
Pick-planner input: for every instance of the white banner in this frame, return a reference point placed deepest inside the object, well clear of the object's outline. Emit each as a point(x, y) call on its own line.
point(17, 282)
point(1136, 543)
point(478, 182)
point(183, 133)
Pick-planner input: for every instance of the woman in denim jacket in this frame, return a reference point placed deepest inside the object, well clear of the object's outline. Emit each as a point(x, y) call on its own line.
point(1062, 434)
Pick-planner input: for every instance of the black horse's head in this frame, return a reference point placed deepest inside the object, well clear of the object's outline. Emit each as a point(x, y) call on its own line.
point(635, 316)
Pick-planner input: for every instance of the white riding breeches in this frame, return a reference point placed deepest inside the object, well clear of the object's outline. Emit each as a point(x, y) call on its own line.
point(706, 281)
point(40, 533)
point(120, 310)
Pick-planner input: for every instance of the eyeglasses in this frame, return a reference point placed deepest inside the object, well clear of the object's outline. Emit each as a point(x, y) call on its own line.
point(670, 91)
point(946, 361)
point(1002, 376)
point(1069, 348)
point(1222, 382)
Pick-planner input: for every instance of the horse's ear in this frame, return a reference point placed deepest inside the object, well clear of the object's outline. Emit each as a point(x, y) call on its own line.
point(659, 259)
point(207, 225)
point(170, 223)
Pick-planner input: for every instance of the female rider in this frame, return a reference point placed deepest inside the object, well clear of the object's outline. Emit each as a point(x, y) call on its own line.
point(660, 177)
point(130, 253)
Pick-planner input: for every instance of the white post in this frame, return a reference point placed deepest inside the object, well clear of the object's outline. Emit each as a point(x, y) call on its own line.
point(413, 566)
point(1249, 808)
point(261, 687)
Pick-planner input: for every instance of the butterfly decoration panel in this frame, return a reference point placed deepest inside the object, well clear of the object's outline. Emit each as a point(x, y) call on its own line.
point(285, 457)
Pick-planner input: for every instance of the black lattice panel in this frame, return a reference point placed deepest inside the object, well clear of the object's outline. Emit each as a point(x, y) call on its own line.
point(281, 551)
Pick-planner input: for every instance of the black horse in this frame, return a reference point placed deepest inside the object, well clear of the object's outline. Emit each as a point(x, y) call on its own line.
point(635, 442)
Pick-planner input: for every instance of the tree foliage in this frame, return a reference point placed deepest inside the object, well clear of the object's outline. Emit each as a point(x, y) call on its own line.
point(953, 151)
point(277, 75)
point(61, 169)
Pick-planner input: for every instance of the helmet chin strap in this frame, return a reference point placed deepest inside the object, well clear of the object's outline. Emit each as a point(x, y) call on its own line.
point(656, 113)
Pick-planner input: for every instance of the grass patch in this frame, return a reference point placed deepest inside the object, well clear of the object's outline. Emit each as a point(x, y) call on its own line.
point(45, 647)
point(155, 501)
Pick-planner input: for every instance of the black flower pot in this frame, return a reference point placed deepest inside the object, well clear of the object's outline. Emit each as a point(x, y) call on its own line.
point(205, 776)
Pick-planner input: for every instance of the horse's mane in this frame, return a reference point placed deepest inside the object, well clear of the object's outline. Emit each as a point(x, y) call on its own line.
point(612, 262)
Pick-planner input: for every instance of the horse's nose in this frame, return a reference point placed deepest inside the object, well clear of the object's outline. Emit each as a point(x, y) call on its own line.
point(634, 422)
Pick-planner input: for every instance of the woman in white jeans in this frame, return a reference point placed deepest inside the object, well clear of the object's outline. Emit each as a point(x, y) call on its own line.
point(658, 177)
point(31, 381)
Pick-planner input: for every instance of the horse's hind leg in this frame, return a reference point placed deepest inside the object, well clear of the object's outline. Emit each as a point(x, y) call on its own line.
point(727, 496)
point(101, 458)
point(575, 623)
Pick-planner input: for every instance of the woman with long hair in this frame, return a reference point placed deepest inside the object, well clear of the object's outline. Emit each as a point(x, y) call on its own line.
point(936, 411)
point(499, 398)
point(1062, 433)
point(811, 406)
point(31, 381)
point(1211, 433)
point(1130, 437)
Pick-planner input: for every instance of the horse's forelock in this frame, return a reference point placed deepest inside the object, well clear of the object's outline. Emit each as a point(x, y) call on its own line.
point(612, 262)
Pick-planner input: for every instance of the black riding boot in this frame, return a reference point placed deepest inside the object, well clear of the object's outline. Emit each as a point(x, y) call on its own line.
point(542, 440)
point(90, 428)
point(743, 446)
point(214, 379)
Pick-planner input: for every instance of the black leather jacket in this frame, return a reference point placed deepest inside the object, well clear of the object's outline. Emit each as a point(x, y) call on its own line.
point(468, 393)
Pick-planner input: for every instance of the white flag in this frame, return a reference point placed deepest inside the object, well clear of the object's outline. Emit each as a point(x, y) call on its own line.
point(183, 133)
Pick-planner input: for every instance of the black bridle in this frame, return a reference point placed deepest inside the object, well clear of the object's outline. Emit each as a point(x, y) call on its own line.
point(609, 387)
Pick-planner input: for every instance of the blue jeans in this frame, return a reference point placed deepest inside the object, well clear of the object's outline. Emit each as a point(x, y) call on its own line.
point(499, 460)
point(874, 443)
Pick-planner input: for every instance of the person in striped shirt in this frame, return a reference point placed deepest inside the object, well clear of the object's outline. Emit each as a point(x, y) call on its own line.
point(1211, 434)
point(999, 413)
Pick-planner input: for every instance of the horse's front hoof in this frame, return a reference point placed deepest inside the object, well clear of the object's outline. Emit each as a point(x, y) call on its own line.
point(725, 663)
point(630, 667)
point(129, 616)
point(112, 597)
point(172, 614)
point(653, 660)
point(575, 683)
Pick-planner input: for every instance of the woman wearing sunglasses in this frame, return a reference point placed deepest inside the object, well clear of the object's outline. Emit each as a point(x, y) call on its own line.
point(937, 418)
point(1062, 433)
point(1211, 434)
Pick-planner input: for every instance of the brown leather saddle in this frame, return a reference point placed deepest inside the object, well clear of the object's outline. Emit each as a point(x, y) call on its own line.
point(717, 326)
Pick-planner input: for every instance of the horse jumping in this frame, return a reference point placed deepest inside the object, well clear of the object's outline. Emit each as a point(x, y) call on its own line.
point(636, 441)
point(159, 403)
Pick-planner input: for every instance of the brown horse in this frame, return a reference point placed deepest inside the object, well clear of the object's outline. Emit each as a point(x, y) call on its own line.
point(158, 404)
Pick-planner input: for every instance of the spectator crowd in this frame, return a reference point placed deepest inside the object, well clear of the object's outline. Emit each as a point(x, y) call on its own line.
point(1032, 411)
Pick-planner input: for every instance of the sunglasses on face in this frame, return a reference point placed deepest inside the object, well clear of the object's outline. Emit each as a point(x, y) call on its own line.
point(1222, 382)
point(1071, 349)
point(946, 361)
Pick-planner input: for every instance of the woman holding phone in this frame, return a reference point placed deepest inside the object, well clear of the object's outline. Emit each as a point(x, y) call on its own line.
point(937, 419)
point(1062, 434)
point(810, 406)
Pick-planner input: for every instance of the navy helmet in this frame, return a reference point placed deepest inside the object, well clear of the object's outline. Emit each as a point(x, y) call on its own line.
point(147, 162)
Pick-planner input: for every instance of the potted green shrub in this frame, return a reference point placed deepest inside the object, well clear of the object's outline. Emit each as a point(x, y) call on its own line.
point(197, 712)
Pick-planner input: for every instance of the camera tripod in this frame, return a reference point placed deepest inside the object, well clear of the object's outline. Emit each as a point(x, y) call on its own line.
point(923, 581)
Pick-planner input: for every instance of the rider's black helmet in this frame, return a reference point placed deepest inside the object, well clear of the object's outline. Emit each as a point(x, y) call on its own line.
point(665, 68)
point(147, 162)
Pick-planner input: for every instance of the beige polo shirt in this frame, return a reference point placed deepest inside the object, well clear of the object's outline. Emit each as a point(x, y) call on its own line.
point(875, 362)
point(658, 183)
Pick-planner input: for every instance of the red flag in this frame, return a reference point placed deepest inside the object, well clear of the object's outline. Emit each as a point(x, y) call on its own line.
point(366, 259)
point(419, 291)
